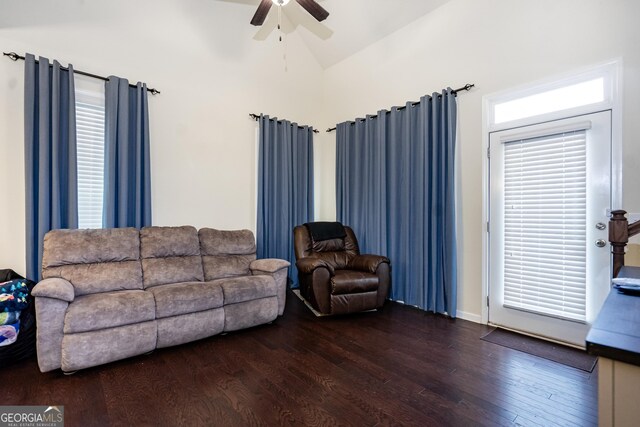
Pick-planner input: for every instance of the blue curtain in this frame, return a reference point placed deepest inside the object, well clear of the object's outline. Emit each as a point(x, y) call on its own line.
point(127, 175)
point(285, 187)
point(50, 155)
point(395, 187)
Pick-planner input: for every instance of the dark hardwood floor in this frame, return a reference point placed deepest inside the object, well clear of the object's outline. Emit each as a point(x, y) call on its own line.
point(398, 367)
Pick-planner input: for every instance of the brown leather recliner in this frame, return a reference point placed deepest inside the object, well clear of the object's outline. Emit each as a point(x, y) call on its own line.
point(334, 277)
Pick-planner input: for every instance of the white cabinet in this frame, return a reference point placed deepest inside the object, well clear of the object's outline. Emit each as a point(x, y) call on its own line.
point(618, 393)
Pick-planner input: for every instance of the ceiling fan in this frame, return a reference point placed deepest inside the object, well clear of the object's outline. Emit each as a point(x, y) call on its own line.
point(310, 6)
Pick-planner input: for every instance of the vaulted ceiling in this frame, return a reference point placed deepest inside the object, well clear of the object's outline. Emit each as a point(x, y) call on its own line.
point(351, 26)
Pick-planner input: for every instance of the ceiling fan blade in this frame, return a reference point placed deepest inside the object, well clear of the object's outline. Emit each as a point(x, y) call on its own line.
point(261, 13)
point(314, 9)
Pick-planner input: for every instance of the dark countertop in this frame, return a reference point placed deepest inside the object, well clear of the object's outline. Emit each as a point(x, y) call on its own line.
point(616, 332)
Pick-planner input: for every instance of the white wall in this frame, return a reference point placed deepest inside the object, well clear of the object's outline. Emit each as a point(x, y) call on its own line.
point(211, 72)
point(496, 44)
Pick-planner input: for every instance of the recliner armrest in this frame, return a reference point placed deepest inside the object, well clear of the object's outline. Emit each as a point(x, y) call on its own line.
point(56, 288)
point(367, 263)
point(268, 265)
point(307, 265)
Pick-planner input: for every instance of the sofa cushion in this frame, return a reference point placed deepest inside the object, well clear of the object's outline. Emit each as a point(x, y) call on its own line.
point(164, 242)
point(99, 278)
point(64, 247)
point(94, 261)
point(350, 281)
point(161, 271)
point(226, 253)
point(108, 310)
point(181, 298)
point(226, 242)
point(246, 288)
point(218, 267)
point(170, 255)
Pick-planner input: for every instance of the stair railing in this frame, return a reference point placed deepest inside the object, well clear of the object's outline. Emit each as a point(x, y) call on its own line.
point(619, 232)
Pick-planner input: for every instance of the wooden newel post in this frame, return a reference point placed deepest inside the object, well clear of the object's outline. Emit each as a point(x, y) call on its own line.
point(618, 237)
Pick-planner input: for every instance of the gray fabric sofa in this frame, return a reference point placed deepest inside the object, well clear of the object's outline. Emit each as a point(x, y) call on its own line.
point(115, 293)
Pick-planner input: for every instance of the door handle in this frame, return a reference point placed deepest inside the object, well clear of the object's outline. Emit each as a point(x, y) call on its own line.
point(600, 226)
point(601, 243)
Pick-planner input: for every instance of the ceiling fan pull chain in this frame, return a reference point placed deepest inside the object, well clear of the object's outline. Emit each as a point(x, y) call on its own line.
point(281, 35)
point(280, 21)
point(284, 56)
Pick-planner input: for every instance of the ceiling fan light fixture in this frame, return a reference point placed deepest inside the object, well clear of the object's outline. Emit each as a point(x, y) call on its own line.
point(310, 6)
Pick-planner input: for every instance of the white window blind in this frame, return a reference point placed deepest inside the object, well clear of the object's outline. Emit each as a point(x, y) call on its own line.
point(90, 134)
point(545, 225)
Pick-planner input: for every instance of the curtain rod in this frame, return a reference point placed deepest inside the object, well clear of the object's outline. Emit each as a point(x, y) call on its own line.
point(14, 57)
point(256, 117)
point(468, 86)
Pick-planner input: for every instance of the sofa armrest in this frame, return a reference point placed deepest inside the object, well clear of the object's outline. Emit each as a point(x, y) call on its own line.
point(309, 264)
point(268, 265)
point(55, 288)
point(53, 296)
point(367, 263)
point(276, 268)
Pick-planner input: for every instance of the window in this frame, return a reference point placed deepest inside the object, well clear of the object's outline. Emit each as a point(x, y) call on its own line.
point(564, 98)
point(580, 93)
point(90, 136)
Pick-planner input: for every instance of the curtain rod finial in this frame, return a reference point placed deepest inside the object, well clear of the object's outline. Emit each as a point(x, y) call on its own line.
point(154, 91)
point(12, 55)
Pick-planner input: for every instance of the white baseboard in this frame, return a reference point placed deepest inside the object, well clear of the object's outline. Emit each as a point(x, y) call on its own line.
point(469, 316)
point(476, 318)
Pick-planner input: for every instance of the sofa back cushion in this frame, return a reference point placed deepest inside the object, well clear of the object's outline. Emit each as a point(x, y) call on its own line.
point(226, 253)
point(94, 261)
point(170, 255)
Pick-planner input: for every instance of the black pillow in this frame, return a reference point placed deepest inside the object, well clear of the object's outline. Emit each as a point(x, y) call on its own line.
point(323, 230)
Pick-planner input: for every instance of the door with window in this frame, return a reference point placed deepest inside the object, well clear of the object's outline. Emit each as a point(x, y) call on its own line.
point(550, 193)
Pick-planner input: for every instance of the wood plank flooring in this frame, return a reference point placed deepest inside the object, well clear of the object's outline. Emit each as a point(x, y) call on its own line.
point(400, 366)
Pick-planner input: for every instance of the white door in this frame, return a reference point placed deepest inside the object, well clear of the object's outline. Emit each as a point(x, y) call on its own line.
point(550, 191)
